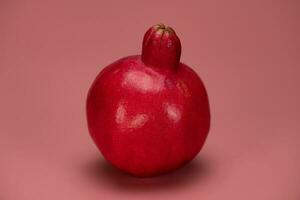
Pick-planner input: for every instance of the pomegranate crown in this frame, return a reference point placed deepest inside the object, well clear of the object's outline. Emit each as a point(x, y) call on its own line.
point(161, 47)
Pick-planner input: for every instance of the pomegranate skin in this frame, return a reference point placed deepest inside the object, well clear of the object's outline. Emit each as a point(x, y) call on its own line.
point(146, 119)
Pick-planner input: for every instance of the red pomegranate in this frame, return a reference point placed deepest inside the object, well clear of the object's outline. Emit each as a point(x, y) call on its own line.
point(149, 114)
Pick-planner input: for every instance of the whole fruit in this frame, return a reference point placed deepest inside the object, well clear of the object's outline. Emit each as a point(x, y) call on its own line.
point(149, 114)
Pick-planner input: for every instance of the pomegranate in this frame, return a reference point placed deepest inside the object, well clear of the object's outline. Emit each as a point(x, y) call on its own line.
point(149, 114)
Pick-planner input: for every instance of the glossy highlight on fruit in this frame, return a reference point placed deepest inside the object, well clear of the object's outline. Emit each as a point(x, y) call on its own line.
point(149, 114)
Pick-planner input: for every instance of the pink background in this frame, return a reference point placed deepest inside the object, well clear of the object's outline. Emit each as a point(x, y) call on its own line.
point(247, 53)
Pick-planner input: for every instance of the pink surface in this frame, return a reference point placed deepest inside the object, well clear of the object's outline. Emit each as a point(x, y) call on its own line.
point(246, 52)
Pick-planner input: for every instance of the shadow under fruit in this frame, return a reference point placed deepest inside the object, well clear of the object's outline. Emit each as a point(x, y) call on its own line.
point(149, 114)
